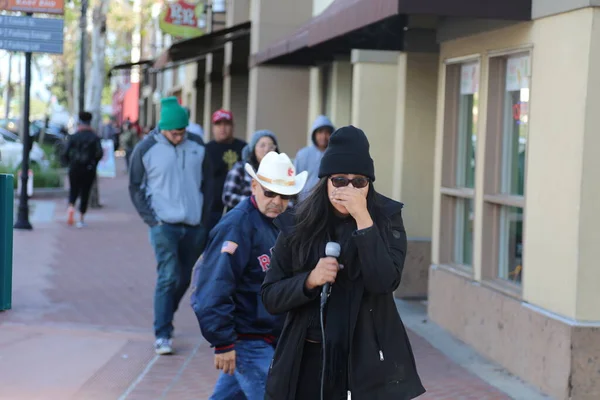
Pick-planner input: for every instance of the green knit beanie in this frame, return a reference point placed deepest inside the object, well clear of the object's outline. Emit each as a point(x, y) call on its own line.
point(172, 115)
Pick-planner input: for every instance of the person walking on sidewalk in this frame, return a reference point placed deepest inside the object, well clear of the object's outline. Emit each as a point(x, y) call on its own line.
point(129, 139)
point(355, 341)
point(169, 184)
point(227, 280)
point(309, 157)
point(224, 151)
point(238, 184)
point(82, 154)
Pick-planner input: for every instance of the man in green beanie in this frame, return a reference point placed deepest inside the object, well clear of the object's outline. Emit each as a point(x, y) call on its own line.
point(169, 184)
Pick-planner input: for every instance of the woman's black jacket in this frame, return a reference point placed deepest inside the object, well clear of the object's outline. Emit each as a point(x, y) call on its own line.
point(381, 363)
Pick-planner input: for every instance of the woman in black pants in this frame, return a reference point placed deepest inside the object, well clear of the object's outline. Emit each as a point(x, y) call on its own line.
point(365, 347)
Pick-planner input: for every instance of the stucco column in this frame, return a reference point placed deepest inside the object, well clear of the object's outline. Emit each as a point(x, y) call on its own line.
point(394, 101)
point(208, 107)
point(315, 103)
point(341, 93)
point(278, 96)
point(374, 108)
point(413, 163)
point(235, 81)
point(588, 273)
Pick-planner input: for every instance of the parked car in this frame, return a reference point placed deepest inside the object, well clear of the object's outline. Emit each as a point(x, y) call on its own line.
point(11, 152)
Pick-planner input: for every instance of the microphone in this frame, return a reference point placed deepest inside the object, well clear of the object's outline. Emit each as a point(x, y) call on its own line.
point(332, 249)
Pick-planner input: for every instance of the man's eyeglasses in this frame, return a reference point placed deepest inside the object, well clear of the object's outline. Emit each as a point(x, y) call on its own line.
point(359, 182)
point(272, 195)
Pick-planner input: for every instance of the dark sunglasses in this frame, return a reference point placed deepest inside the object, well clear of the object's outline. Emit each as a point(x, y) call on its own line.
point(272, 195)
point(358, 182)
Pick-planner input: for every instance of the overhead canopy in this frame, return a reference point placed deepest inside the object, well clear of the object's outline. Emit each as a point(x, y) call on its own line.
point(376, 25)
point(129, 66)
point(197, 48)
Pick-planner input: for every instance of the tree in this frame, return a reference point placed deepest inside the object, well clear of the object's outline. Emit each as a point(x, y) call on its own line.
point(118, 29)
point(97, 82)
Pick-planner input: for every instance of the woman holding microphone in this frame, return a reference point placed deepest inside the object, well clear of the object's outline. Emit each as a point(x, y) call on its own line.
point(356, 342)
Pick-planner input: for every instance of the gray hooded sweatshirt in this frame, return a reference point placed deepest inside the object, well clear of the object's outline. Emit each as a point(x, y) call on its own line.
point(309, 157)
point(169, 183)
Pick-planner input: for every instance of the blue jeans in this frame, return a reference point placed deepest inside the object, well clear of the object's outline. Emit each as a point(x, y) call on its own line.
point(252, 361)
point(176, 248)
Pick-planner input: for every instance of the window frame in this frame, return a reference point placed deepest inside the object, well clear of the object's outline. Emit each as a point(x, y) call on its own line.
point(451, 193)
point(494, 200)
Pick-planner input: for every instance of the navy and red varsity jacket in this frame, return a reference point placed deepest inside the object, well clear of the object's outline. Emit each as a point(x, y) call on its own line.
point(227, 279)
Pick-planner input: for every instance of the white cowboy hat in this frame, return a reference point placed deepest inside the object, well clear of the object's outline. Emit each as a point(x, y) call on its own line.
point(277, 174)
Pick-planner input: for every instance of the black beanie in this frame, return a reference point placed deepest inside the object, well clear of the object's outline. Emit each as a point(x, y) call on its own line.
point(347, 153)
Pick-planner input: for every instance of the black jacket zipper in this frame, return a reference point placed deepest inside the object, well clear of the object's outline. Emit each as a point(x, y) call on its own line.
point(381, 357)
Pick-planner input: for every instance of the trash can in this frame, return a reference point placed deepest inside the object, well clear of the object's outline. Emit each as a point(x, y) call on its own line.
point(6, 240)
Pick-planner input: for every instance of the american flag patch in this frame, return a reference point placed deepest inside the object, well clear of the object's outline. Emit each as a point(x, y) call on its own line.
point(229, 247)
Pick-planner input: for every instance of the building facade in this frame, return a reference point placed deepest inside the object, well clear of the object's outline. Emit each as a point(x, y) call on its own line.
point(465, 106)
point(469, 128)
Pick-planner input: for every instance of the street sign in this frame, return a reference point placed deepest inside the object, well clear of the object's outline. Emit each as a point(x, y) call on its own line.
point(34, 6)
point(33, 35)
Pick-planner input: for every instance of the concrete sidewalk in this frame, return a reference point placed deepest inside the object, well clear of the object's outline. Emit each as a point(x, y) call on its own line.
point(80, 327)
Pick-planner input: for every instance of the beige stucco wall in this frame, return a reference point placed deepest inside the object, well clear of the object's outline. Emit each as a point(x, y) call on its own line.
point(278, 96)
point(273, 20)
point(236, 93)
point(341, 93)
point(413, 164)
point(315, 102)
point(558, 268)
point(588, 274)
point(374, 109)
point(279, 102)
point(338, 104)
point(188, 90)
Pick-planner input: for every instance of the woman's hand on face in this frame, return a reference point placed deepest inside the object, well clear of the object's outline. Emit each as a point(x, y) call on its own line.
point(352, 199)
point(325, 272)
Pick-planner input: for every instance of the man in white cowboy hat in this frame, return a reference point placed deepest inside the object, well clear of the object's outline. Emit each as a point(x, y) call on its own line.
point(227, 280)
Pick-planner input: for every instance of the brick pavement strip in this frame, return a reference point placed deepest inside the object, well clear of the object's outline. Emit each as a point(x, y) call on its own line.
point(100, 279)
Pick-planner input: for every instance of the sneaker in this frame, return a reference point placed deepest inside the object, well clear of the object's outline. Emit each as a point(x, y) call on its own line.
point(71, 216)
point(81, 225)
point(163, 347)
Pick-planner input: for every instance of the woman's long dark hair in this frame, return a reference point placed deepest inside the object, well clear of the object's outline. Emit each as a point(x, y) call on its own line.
point(313, 218)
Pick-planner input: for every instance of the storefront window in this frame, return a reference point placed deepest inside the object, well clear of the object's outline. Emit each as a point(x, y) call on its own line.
point(466, 144)
point(514, 146)
point(463, 251)
point(459, 154)
point(467, 141)
point(505, 166)
point(516, 123)
point(511, 243)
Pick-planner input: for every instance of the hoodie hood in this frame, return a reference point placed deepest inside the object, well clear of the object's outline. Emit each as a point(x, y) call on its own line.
point(321, 122)
point(248, 150)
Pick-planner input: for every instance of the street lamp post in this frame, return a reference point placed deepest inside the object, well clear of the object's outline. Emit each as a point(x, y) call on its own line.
point(83, 28)
point(23, 211)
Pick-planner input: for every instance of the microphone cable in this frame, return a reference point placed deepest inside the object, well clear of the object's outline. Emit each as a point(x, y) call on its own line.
point(323, 347)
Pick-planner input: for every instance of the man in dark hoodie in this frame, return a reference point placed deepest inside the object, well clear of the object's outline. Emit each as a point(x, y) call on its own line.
point(309, 158)
point(82, 154)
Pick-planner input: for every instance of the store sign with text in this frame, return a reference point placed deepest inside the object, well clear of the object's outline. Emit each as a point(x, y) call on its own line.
point(181, 18)
point(34, 6)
